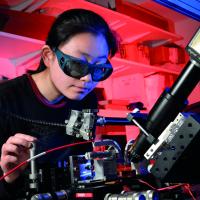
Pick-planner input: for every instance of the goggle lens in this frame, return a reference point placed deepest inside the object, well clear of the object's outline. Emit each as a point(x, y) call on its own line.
point(78, 68)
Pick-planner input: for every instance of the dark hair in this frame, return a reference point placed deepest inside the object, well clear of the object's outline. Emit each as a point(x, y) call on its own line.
point(75, 21)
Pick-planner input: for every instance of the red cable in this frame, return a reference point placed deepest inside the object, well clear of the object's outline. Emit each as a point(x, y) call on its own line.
point(188, 190)
point(185, 185)
point(13, 169)
point(67, 145)
point(41, 154)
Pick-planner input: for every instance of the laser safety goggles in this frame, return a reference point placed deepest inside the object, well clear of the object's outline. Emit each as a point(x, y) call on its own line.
point(78, 68)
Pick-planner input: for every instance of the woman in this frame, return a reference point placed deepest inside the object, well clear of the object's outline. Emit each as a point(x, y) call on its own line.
point(74, 59)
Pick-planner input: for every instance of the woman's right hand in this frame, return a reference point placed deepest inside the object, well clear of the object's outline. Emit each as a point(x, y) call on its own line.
point(13, 152)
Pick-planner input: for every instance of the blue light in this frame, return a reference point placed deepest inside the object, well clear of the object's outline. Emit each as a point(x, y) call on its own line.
point(85, 171)
point(190, 8)
point(155, 197)
point(142, 197)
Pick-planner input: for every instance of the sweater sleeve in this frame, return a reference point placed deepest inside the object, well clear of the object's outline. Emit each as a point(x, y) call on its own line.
point(4, 192)
point(9, 191)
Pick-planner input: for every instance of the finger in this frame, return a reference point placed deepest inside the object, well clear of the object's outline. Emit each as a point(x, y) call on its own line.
point(18, 141)
point(10, 148)
point(9, 159)
point(26, 137)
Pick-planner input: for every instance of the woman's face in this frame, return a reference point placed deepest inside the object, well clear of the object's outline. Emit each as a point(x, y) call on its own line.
point(87, 47)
